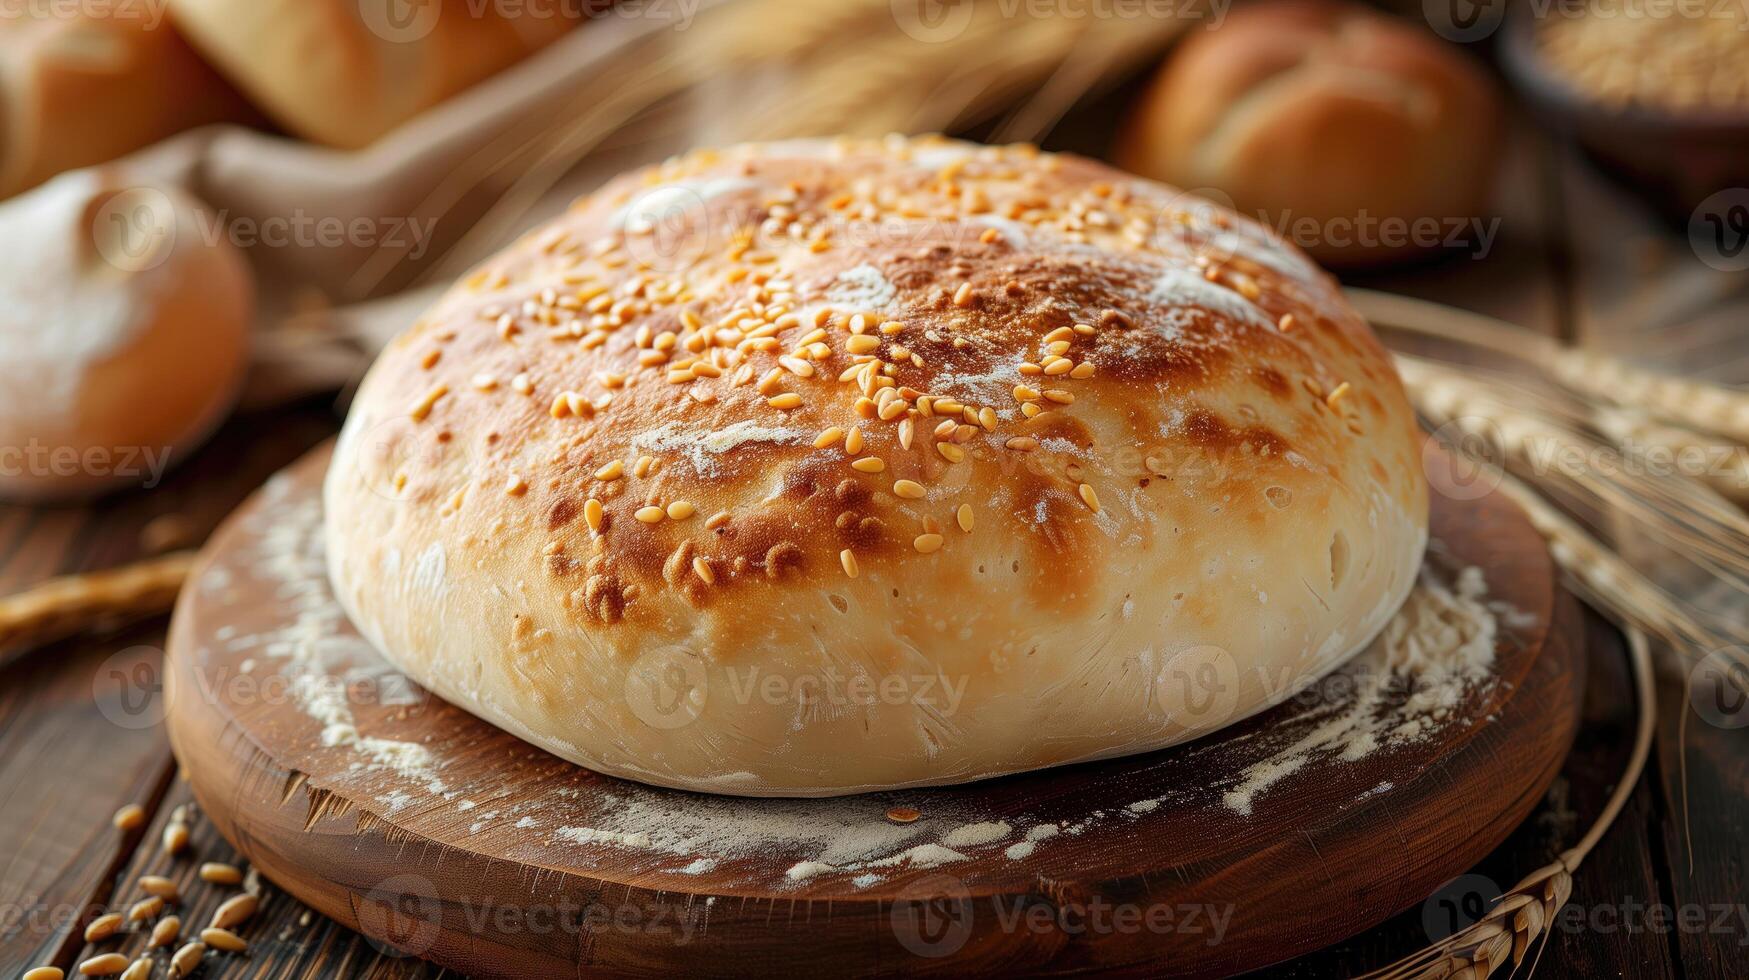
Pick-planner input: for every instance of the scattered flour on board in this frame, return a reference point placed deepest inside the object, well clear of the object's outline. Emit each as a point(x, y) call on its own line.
point(1441, 643)
point(1438, 647)
point(319, 663)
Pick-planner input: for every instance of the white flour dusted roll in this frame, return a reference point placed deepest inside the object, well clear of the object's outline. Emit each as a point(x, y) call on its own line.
point(124, 334)
point(811, 468)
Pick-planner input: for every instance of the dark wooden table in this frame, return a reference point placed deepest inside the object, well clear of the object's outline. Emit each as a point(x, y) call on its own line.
point(80, 733)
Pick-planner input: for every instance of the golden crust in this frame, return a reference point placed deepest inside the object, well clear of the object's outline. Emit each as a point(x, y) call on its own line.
point(1073, 390)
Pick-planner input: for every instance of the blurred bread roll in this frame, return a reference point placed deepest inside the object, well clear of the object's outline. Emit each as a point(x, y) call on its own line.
point(81, 88)
point(124, 332)
point(1336, 125)
point(345, 72)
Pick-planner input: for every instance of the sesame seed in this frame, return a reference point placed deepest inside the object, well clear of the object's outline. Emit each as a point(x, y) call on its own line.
point(963, 295)
point(1059, 396)
point(963, 516)
point(680, 510)
point(516, 486)
point(1336, 395)
point(611, 472)
point(987, 419)
point(862, 344)
point(927, 543)
point(702, 569)
point(643, 466)
point(1089, 497)
point(829, 437)
point(950, 452)
point(650, 515)
point(1022, 393)
point(853, 442)
point(869, 464)
point(847, 558)
point(717, 520)
point(1030, 409)
point(892, 327)
point(522, 384)
point(787, 401)
point(1082, 371)
point(484, 382)
point(1286, 322)
point(426, 404)
point(909, 489)
point(1058, 367)
point(592, 512)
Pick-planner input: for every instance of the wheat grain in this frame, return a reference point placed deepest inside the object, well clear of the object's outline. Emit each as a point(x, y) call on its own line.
point(186, 960)
point(105, 965)
point(223, 940)
point(235, 911)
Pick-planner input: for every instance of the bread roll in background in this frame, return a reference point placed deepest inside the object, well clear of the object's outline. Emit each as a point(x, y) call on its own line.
point(346, 72)
point(83, 84)
point(124, 335)
point(810, 468)
point(1318, 116)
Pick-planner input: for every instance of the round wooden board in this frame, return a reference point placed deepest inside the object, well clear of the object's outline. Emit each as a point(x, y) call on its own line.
point(413, 822)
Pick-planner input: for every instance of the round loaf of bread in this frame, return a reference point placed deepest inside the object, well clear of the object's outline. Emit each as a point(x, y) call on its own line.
point(812, 468)
point(124, 334)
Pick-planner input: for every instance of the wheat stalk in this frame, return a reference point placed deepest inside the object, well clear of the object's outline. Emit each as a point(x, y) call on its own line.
point(64, 606)
point(1691, 523)
point(1521, 919)
point(1684, 402)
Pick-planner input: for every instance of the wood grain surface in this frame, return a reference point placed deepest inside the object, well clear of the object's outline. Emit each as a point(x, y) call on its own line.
point(416, 865)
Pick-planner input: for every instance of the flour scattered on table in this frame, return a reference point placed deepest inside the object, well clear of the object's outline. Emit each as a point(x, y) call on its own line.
point(1406, 685)
point(1435, 653)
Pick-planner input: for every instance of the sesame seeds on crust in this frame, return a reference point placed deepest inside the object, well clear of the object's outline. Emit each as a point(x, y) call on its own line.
point(848, 352)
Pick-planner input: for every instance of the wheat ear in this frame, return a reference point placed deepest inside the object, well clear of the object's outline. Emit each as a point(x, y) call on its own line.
point(64, 606)
point(1685, 402)
point(1524, 914)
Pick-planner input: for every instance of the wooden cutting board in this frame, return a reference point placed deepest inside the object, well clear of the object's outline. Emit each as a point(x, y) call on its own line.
point(441, 836)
